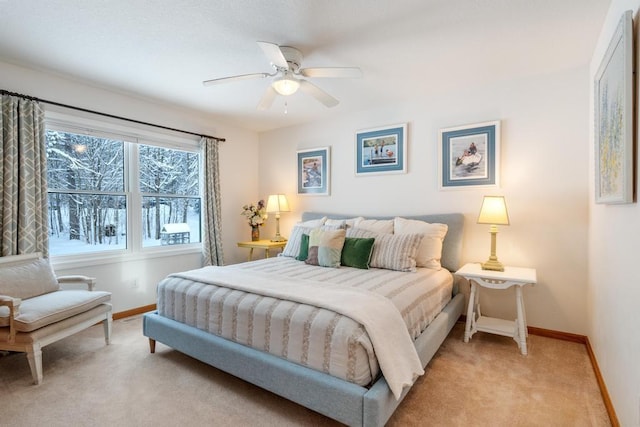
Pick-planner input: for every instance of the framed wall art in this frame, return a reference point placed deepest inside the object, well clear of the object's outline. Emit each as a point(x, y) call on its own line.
point(470, 156)
point(613, 116)
point(382, 150)
point(313, 171)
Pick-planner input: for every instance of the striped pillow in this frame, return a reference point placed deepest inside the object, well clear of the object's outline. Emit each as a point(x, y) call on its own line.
point(391, 251)
point(292, 248)
point(430, 249)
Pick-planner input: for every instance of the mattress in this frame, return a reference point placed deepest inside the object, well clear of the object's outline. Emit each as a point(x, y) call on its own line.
point(305, 334)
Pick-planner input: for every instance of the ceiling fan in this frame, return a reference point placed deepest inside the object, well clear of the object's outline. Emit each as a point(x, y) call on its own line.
point(286, 61)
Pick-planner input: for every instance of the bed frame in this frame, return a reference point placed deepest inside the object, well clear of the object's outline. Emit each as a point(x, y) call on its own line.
point(343, 401)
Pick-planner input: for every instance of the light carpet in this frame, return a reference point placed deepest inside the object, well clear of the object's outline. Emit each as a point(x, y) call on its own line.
point(485, 382)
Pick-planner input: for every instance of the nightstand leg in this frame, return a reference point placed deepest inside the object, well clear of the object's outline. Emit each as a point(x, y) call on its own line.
point(250, 253)
point(266, 253)
point(522, 333)
point(470, 307)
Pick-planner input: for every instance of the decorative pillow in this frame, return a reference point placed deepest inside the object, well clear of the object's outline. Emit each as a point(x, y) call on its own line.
point(356, 252)
point(377, 225)
point(334, 225)
point(313, 222)
point(391, 251)
point(325, 247)
point(292, 248)
point(304, 248)
point(395, 251)
point(430, 249)
point(28, 280)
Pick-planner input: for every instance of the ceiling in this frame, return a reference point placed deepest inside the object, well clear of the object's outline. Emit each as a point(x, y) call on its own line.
point(162, 50)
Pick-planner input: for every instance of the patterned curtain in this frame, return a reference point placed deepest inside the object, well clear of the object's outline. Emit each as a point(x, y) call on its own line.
point(23, 178)
point(212, 239)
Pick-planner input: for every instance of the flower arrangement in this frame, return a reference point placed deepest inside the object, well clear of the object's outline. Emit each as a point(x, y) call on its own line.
point(255, 214)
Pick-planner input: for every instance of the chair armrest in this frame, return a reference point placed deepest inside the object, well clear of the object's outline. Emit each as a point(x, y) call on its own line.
point(14, 310)
point(8, 301)
point(89, 281)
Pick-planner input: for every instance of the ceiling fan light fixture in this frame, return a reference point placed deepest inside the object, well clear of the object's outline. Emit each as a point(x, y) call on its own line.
point(286, 85)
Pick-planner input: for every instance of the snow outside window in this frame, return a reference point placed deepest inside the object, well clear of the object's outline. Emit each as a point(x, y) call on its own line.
point(108, 194)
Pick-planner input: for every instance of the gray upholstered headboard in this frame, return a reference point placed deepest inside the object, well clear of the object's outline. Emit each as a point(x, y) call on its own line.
point(452, 246)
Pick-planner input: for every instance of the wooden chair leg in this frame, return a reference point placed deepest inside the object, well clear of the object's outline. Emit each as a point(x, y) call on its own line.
point(34, 356)
point(107, 325)
point(152, 345)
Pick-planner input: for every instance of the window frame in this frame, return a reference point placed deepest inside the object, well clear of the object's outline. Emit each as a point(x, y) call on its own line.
point(131, 137)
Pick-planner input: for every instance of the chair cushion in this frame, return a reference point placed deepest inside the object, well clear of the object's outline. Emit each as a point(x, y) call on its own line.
point(96, 314)
point(50, 308)
point(29, 279)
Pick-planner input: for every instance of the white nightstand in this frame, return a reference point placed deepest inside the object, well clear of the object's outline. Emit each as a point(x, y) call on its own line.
point(511, 276)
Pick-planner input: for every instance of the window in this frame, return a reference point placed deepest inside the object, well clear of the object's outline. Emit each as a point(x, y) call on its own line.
point(109, 193)
point(170, 196)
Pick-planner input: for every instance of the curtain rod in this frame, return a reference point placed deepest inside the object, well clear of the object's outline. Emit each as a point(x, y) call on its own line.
point(33, 98)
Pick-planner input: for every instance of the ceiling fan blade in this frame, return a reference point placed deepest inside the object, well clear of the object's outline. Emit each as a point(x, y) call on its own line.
point(236, 78)
point(267, 98)
point(274, 54)
point(322, 96)
point(340, 72)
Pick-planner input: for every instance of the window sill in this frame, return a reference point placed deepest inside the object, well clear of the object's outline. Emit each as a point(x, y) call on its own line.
point(64, 262)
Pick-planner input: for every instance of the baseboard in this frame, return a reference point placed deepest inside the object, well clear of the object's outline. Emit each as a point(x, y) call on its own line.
point(603, 388)
point(564, 336)
point(580, 339)
point(134, 311)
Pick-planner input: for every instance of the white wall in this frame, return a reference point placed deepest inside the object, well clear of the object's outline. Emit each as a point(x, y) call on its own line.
point(614, 290)
point(133, 281)
point(544, 178)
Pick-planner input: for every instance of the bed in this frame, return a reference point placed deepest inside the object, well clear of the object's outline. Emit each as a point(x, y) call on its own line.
point(361, 390)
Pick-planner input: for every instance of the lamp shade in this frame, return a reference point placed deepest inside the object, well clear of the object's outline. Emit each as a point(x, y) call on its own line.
point(278, 203)
point(286, 85)
point(493, 211)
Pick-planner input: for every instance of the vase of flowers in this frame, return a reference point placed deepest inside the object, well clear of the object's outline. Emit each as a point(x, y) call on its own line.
point(256, 216)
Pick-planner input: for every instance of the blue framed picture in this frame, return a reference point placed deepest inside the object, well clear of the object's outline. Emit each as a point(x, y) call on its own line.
point(470, 156)
point(382, 150)
point(313, 171)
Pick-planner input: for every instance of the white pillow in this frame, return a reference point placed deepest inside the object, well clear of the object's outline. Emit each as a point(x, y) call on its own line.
point(377, 225)
point(313, 222)
point(335, 224)
point(351, 222)
point(430, 249)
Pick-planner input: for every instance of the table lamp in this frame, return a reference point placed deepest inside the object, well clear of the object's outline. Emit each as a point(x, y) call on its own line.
point(493, 212)
point(278, 203)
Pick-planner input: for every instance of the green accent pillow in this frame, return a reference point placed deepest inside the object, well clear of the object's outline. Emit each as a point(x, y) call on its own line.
point(357, 251)
point(304, 248)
